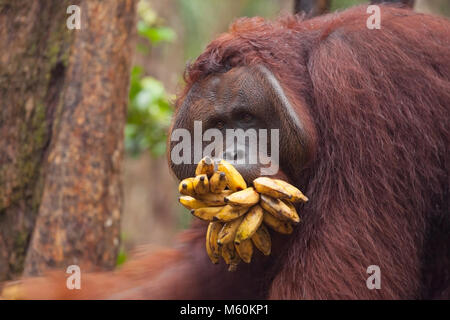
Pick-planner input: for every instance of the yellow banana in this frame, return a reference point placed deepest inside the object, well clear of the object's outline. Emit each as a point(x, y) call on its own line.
point(278, 225)
point(228, 252)
point(214, 199)
point(186, 187)
point(295, 194)
point(212, 248)
point(279, 209)
point(245, 250)
point(251, 222)
point(218, 182)
point(201, 184)
point(229, 213)
point(293, 210)
point(238, 215)
point(192, 203)
point(228, 232)
point(205, 166)
point(207, 213)
point(269, 187)
point(261, 240)
point(235, 181)
point(247, 197)
point(230, 256)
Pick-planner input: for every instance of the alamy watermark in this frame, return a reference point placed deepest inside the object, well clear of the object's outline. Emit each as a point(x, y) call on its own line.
point(374, 20)
point(74, 20)
point(374, 281)
point(74, 280)
point(241, 147)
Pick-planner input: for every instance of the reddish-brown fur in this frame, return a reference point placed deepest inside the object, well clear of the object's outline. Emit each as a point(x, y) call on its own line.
point(378, 182)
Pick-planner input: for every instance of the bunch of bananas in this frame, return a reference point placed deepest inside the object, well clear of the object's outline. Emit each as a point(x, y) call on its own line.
point(238, 214)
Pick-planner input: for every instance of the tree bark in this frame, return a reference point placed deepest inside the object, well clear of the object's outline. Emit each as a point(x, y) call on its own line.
point(63, 99)
point(312, 8)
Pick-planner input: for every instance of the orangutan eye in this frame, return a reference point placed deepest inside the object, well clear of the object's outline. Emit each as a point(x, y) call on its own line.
point(219, 124)
point(246, 117)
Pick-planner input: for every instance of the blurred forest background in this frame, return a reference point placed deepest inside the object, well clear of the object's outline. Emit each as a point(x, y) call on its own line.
point(171, 33)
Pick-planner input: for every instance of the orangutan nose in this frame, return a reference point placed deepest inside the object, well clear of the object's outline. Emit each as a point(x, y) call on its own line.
point(235, 154)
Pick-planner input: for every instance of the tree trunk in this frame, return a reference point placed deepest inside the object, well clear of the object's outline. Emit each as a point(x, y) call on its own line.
point(63, 99)
point(312, 8)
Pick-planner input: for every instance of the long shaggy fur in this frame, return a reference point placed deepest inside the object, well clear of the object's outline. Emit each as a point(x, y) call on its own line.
point(379, 182)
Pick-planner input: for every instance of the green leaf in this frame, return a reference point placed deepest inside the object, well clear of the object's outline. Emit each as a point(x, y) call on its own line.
point(121, 258)
point(149, 115)
point(155, 34)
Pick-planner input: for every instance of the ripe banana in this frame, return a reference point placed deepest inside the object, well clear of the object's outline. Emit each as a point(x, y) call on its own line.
point(201, 184)
point(296, 195)
point(218, 182)
point(278, 225)
point(235, 181)
point(215, 199)
point(293, 210)
point(207, 213)
point(245, 250)
point(229, 213)
point(238, 215)
point(228, 232)
point(212, 248)
point(186, 187)
point(269, 187)
point(205, 166)
point(279, 209)
point(192, 203)
point(261, 239)
point(230, 256)
point(251, 222)
point(247, 197)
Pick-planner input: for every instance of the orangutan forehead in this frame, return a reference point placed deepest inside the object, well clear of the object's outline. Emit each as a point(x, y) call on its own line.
point(235, 88)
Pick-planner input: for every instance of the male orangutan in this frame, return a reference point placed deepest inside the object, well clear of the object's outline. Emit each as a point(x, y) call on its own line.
point(364, 133)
